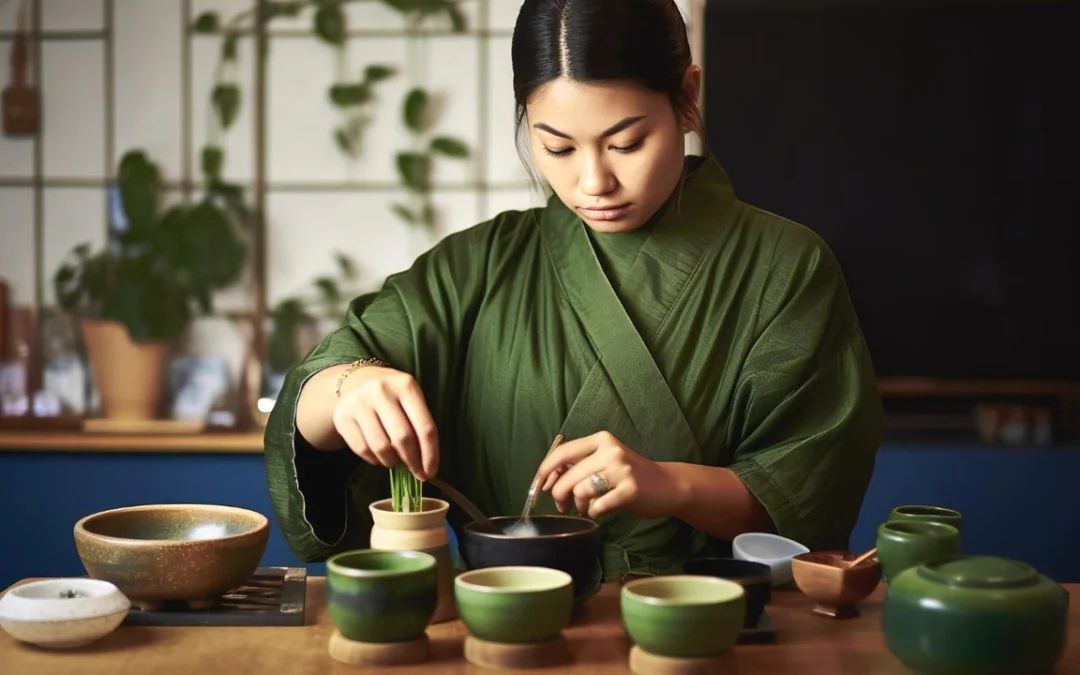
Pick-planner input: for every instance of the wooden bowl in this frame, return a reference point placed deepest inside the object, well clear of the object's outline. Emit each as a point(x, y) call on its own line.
point(172, 552)
point(836, 589)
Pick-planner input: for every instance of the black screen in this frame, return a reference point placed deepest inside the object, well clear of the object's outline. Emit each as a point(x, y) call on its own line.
point(934, 147)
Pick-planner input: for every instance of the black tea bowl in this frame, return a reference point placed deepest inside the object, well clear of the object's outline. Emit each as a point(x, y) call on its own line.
point(567, 543)
point(754, 577)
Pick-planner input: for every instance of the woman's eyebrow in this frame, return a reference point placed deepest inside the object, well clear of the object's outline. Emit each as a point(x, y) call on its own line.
point(616, 128)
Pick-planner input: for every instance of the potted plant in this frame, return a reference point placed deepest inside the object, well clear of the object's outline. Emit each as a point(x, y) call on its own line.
point(139, 293)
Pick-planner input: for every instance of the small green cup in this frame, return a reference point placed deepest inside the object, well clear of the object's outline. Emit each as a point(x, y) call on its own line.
point(683, 616)
point(908, 543)
point(932, 514)
point(515, 605)
point(381, 596)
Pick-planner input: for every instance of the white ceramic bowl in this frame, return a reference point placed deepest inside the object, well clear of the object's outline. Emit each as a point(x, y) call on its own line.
point(59, 613)
point(773, 550)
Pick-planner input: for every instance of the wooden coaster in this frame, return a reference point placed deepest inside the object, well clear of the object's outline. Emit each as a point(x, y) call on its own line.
point(644, 663)
point(497, 656)
point(379, 654)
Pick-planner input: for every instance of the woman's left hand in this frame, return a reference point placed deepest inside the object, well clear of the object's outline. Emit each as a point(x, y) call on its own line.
point(599, 475)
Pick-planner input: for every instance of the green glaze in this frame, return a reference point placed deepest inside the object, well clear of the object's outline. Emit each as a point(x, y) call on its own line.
point(975, 615)
point(381, 596)
point(903, 544)
point(515, 605)
point(683, 616)
point(933, 514)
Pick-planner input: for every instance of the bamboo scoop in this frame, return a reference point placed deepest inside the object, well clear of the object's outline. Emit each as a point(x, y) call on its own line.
point(466, 504)
point(863, 557)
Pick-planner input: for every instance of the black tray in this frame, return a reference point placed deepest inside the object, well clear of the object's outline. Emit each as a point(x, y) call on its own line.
point(273, 596)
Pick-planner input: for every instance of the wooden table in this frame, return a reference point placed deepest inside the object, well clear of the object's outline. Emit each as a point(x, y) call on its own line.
point(805, 644)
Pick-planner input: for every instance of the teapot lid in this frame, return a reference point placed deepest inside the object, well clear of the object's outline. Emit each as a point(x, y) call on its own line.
point(970, 571)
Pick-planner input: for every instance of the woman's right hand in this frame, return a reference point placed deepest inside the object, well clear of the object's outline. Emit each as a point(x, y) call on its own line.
point(383, 417)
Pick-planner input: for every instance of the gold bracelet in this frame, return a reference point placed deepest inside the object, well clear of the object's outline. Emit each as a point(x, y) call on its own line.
point(354, 366)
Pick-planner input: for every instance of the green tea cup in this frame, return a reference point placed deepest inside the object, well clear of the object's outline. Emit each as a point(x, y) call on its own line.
point(932, 514)
point(683, 616)
point(381, 596)
point(515, 605)
point(908, 543)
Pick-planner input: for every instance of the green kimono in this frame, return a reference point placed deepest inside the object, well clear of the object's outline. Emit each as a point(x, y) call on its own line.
point(716, 334)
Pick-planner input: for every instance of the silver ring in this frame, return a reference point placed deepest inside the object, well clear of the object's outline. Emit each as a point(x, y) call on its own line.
point(599, 483)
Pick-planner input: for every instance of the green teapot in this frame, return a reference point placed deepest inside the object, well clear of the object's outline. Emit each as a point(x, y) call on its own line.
point(976, 615)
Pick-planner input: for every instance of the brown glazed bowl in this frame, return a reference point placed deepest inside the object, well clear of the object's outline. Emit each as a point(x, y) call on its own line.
point(172, 552)
point(827, 578)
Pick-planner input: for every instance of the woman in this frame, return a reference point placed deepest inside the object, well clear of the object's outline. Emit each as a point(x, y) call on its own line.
point(701, 357)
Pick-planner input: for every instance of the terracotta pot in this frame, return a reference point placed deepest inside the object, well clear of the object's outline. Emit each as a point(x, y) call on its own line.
point(130, 376)
point(423, 531)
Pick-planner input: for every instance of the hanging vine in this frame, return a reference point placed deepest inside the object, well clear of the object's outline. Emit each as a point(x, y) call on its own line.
point(352, 96)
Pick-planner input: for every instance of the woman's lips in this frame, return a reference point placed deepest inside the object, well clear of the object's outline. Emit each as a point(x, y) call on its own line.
point(613, 212)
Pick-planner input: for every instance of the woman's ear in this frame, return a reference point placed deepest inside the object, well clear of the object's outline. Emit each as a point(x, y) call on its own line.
point(691, 89)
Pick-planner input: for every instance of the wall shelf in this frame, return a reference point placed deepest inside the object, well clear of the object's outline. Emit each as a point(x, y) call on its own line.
point(73, 441)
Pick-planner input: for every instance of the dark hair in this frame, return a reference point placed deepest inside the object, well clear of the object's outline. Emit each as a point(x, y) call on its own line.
point(643, 41)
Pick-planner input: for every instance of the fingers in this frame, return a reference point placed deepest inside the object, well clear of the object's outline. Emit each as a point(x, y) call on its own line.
point(377, 443)
point(426, 433)
point(571, 452)
point(402, 437)
point(354, 438)
point(573, 486)
point(620, 496)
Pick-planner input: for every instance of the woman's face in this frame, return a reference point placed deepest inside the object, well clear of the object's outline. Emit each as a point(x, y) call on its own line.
point(612, 151)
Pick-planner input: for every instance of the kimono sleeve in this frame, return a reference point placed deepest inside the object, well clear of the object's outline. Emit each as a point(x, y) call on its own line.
point(418, 322)
point(810, 417)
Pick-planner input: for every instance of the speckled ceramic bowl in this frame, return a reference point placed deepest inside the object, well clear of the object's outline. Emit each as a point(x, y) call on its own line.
point(62, 613)
point(172, 552)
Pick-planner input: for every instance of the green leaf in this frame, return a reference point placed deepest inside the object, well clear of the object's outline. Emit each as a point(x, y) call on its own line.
point(428, 216)
point(138, 179)
point(414, 109)
point(346, 95)
point(343, 141)
point(205, 23)
point(202, 246)
point(373, 74)
point(404, 213)
point(330, 24)
point(457, 18)
point(226, 100)
point(451, 147)
point(276, 9)
point(414, 169)
point(213, 160)
point(346, 265)
point(331, 294)
point(229, 45)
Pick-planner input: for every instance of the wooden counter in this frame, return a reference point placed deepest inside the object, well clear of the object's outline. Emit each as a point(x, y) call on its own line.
point(806, 644)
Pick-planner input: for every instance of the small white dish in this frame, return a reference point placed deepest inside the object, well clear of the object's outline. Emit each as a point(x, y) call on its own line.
point(61, 613)
point(771, 549)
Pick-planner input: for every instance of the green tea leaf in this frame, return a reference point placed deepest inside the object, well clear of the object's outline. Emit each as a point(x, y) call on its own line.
point(414, 168)
point(373, 74)
point(451, 147)
point(205, 23)
point(213, 160)
point(428, 216)
point(330, 24)
point(404, 213)
point(415, 109)
point(346, 95)
point(226, 100)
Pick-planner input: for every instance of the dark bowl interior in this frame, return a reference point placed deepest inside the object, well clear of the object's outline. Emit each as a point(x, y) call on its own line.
point(755, 578)
point(566, 543)
point(172, 524)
